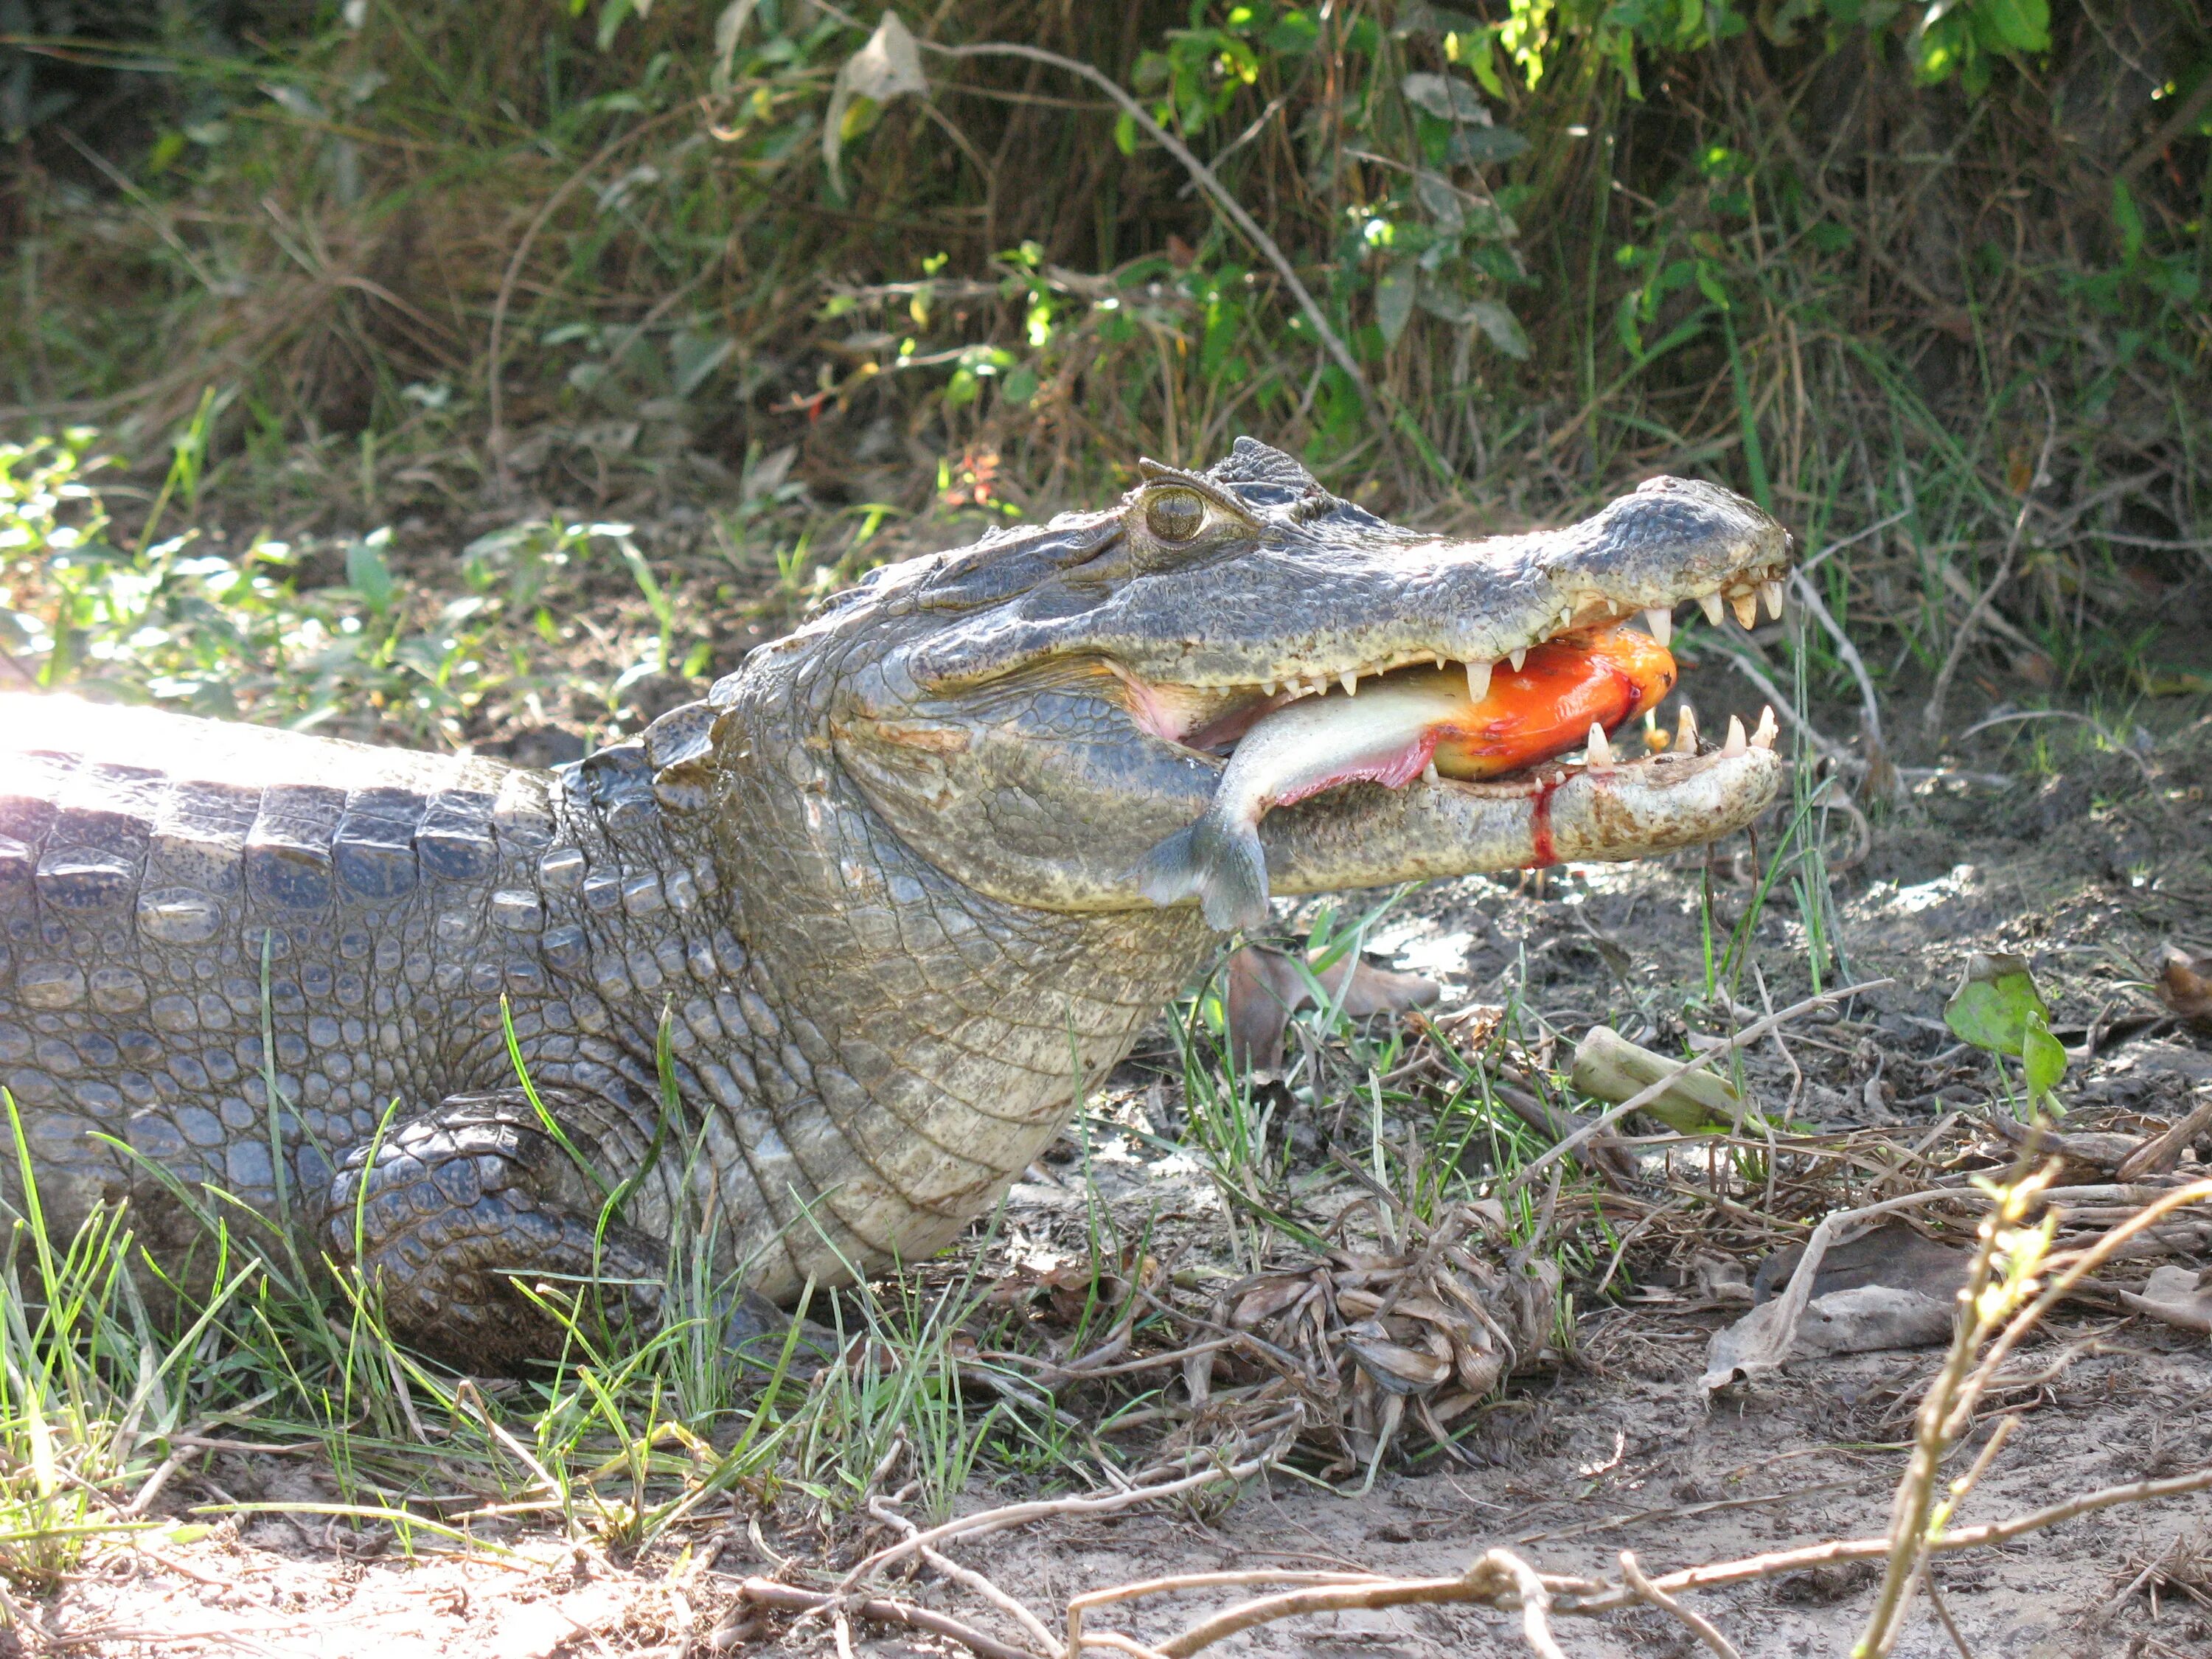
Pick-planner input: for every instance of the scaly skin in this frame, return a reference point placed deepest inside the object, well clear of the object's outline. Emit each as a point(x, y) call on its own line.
point(879, 882)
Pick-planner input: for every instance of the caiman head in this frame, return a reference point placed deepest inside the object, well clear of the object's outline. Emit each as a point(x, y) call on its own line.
point(1032, 714)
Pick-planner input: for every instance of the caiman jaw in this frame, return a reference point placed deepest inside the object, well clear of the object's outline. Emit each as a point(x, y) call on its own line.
point(1210, 718)
point(1507, 789)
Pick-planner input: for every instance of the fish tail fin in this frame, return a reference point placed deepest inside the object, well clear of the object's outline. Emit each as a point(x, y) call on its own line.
point(1222, 864)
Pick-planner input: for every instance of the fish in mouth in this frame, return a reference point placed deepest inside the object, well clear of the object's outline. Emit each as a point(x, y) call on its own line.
point(1462, 723)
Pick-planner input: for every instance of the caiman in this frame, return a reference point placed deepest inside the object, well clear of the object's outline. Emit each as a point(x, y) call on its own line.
point(872, 908)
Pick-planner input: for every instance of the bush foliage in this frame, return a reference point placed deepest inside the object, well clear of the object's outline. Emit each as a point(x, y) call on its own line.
point(1867, 262)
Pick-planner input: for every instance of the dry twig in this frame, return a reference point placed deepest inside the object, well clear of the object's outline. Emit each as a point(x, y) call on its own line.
point(793, 1598)
point(1702, 1628)
point(1931, 717)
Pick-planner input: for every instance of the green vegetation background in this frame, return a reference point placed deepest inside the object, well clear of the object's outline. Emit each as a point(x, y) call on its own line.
point(390, 317)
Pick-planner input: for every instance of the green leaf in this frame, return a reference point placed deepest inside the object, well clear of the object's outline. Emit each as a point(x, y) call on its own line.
point(1476, 49)
point(1125, 133)
point(2021, 24)
point(1394, 300)
point(1500, 327)
point(1482, 146)
point(1993, 1004)
point(2043, 1057)
point(368, 574)
point(1447, 99)
point(1019, 386)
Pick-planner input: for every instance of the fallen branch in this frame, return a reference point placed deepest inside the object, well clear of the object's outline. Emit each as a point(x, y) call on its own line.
point(969, 1578)
point(1749, 1035)
point(1080, 1605)
point(792, 1598)
point(984, 1522)
point(1702, 1628)
point(1497, 1579)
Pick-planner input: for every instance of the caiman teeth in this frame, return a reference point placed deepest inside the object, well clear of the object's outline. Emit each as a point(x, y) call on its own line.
point(1686, 731)
point(1736, 744)
point(1350, 681)
point(1711, 604)
point(1764, 733)
point(1659, 619)
point(1745, 603)
point(1517, 657)
point(1429, 773)
point(1599, 751)
point(1771, 591)
point(1478, 681)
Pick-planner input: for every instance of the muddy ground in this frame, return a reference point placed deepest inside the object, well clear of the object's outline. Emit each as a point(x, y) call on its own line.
point(2087, 872)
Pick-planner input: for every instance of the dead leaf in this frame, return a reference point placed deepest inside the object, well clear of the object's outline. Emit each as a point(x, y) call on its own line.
point(1891, 1253)
point(2182, 1297)
point(2183, 986)
point(888, 67)
point(1887, 1288)
point(1362, 1334)
point(1263, 988)
point(1397, 1368)
point(1871, 1319)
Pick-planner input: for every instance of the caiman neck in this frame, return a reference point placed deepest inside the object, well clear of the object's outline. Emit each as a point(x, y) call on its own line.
point(933, 1040)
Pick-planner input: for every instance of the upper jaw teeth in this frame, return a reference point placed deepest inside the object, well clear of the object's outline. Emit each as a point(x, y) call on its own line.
point(1745, 600)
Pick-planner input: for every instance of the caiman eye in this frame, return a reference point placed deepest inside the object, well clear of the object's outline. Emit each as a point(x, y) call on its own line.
point(1174, 515)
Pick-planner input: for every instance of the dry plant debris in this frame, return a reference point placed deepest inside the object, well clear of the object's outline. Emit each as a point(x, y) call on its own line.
point(1333, 1355)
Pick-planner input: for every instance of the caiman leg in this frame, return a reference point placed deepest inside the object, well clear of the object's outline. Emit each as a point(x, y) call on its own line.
point(454, 1215)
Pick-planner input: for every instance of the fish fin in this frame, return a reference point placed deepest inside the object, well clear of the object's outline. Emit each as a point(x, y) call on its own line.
point(1223, 865)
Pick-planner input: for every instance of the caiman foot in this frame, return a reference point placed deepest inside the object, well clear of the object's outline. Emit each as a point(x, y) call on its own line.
point(474, 1224)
